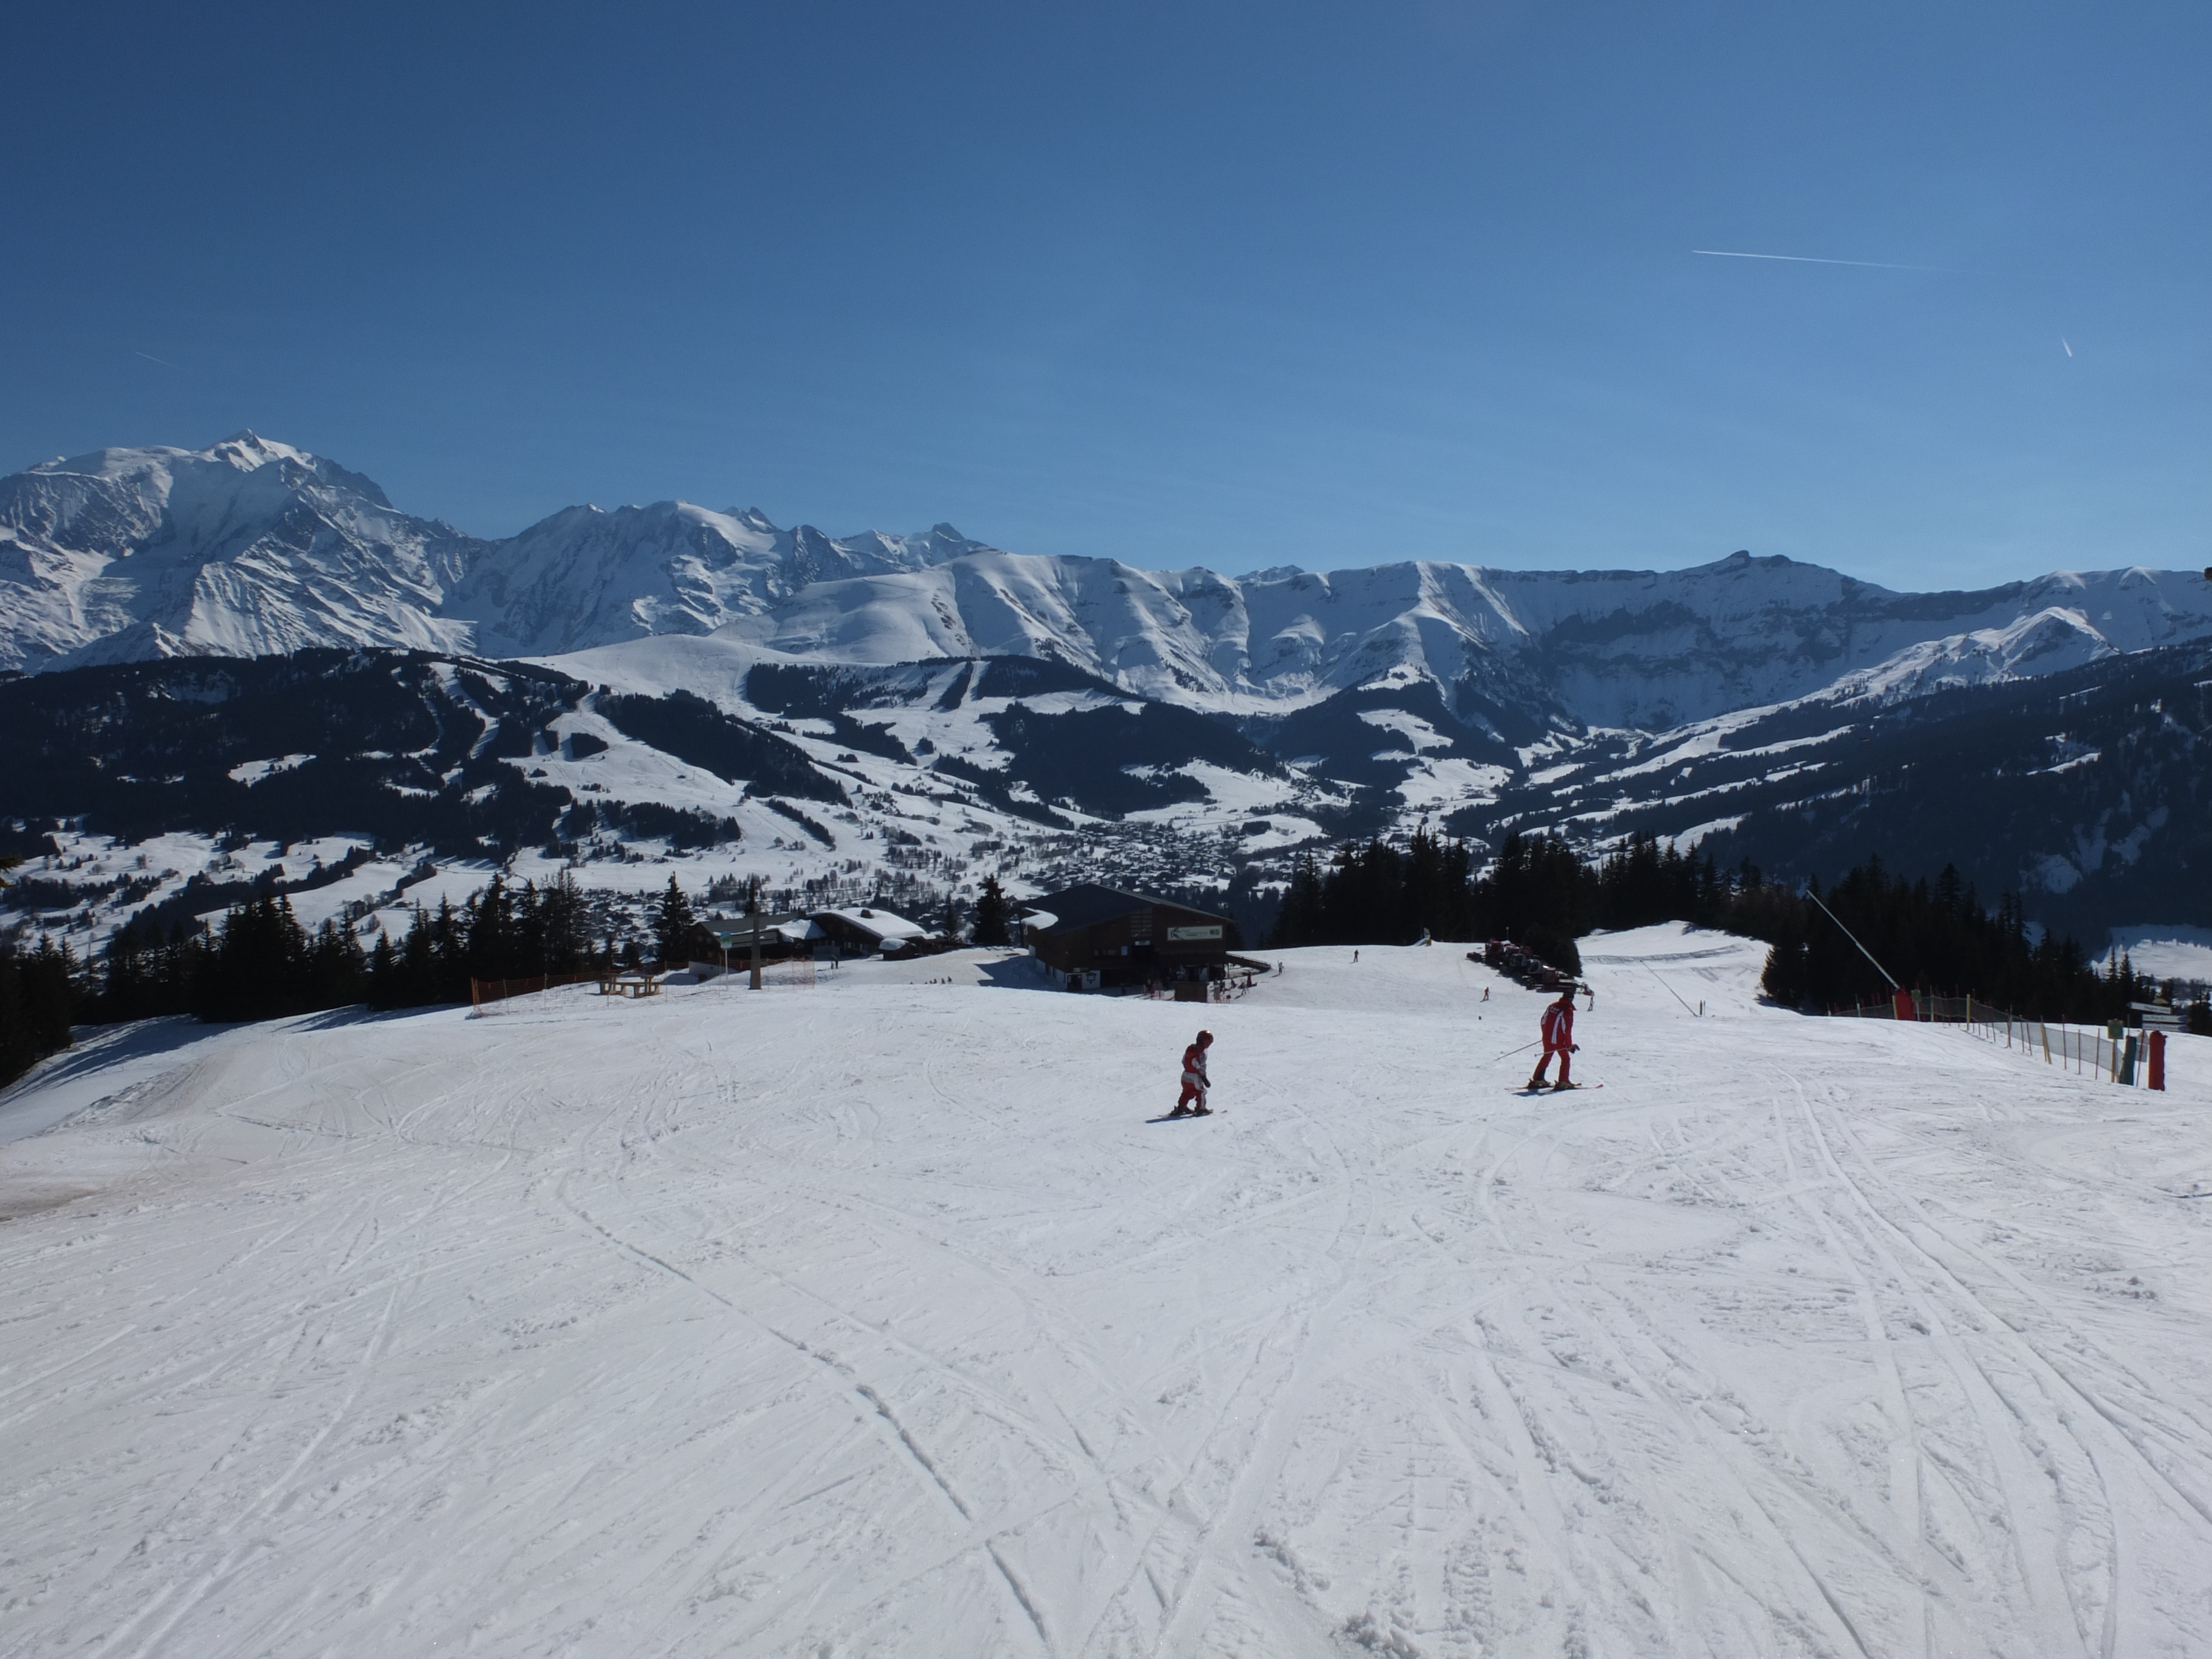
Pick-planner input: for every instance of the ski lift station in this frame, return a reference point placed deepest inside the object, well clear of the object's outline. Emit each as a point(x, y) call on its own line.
point(1109, 938)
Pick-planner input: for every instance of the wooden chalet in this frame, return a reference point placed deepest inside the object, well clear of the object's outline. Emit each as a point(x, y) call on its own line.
point(1103, 938)
point(859, 931)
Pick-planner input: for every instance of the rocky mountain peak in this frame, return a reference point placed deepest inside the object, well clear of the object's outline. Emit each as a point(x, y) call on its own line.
point(253, 545)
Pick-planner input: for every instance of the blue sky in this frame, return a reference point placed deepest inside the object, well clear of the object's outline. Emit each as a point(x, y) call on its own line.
point(1200, 284)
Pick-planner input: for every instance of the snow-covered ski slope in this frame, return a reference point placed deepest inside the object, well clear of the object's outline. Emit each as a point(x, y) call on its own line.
point(875, 1319)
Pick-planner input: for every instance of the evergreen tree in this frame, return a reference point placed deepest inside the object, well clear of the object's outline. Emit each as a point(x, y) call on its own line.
point(529, 929)
point(1379, 894)
point(125, 976)
point(672, 922)
point(562, 945)
point(498, 933)
point(493, 948)
point(993, 912)
point(1299, 921)
point(38, 1003)
point(383, 968)
point(428, 966)
point(336, 969)
point(255, 964)
point(143, 975)
point(1537, 883)
point(1641, 883)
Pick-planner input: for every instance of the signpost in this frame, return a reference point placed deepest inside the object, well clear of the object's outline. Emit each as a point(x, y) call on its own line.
point(761, 922)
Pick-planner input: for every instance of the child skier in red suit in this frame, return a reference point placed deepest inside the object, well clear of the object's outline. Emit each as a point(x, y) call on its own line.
point(1195, 1084)
point(1558, 1039)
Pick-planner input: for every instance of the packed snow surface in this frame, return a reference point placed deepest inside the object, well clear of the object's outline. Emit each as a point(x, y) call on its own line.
point(877, 1318)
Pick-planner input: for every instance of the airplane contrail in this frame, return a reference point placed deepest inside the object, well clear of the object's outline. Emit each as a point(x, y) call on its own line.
point(1803, 259)
point(2067, 343)
point(151, 358)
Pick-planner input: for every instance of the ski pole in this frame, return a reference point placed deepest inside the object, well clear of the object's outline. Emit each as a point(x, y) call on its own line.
point(1509, 1053)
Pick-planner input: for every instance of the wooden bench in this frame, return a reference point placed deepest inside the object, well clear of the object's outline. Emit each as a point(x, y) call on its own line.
point(629, 985)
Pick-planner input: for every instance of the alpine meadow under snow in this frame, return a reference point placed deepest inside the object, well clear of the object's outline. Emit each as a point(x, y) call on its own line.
point(875, 1318)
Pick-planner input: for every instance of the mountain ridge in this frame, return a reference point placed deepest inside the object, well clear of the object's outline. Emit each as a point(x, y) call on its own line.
point(252, 547)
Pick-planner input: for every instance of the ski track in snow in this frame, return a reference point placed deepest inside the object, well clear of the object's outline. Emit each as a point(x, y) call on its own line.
point(875, 1319)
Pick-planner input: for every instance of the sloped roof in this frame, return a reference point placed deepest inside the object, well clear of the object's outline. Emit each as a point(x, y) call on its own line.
point(1086, 904)
point(880, 922)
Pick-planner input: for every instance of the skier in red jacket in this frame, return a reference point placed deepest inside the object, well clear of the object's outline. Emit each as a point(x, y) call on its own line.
point(1194, 1083)
point(1558, 1039)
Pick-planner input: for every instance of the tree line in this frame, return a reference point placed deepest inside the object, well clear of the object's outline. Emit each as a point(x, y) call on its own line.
point(38, 997)
point(260, 962)
point(38, 1000)
point(1538, 892)
point(1936, 937)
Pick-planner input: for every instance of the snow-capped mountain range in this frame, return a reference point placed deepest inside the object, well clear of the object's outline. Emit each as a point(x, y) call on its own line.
point(793, 708)
point(252, 547)
point(247, 549)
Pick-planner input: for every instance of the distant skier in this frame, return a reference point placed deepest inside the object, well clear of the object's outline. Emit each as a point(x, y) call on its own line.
point(1485, 993)
point(1195, 1084)
point(1558, 1039)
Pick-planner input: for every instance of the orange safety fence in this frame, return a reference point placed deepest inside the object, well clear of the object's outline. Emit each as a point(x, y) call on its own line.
point(2112, 1054)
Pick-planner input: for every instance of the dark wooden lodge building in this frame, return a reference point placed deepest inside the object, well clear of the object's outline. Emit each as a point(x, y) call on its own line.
point(1126, 938)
